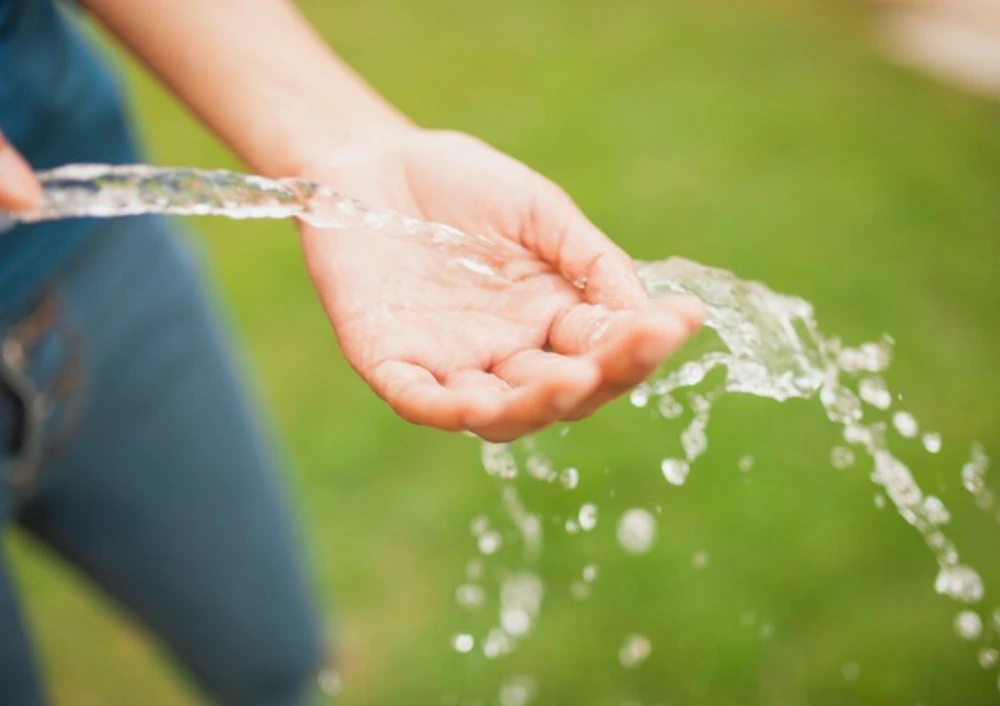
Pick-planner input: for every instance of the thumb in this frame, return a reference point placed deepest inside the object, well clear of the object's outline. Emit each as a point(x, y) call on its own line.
point(19, 189)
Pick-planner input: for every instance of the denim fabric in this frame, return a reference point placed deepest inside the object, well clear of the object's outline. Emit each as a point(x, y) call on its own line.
point(131, 450)
point(59, 103)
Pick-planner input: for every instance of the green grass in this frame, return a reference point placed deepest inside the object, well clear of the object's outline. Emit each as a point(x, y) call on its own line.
point(769, 138)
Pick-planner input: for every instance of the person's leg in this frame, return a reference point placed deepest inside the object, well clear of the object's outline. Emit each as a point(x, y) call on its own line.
point(166, 493)
point(19, 684)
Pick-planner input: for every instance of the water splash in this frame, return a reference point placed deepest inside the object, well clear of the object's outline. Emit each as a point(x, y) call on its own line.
point(774, 349)
point(771, 347)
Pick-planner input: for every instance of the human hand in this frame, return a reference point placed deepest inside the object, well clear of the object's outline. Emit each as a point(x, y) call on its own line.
point(571, 329)
point(19, 190)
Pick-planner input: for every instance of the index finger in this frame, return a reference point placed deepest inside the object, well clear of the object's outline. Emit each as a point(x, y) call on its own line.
point(564, 237)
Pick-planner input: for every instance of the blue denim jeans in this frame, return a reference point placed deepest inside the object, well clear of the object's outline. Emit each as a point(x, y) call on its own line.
point(129, 449)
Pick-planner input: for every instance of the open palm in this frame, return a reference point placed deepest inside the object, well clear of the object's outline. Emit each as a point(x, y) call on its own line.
point(568, 328)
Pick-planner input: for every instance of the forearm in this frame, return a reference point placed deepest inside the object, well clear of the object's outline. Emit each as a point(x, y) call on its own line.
point(255, 72)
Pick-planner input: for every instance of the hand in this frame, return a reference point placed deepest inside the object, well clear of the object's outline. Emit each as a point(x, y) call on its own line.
point(457, 350)
point(19, 190)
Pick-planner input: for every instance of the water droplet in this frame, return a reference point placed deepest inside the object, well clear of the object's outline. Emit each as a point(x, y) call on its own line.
point(988, 657)
point(868, 357)
point(694, 441)
point(515, 621)
point(497, 644)
point(745, 463)
point(517, 691)
point(330, 683)
point(669, 408)
point(520, 601)
point(905, 425)
point(470, 595)
point(463, 643)
point(699, 560)
point(571, 526)
point(841, 457)
point(498, 460)
point(874, 391)
point(639, 397)
point(974, 471)
point(588, 517)
point(879, 501)
point(540, 468)
point(570, 478)
point(479, 525)
point(968, 625)
point(851, 671)
point(932, 441)
point(474, 569)
point(856, 435)
point(375, 220)
point(841, 404)
point(635, 651)
point(675, 470)
point(590, 572)
point(489, 542)
point(935, 511)
point(636, 531)
point(959, 582)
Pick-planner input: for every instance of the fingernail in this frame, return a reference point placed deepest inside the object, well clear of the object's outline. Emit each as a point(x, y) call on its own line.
point(17, 182)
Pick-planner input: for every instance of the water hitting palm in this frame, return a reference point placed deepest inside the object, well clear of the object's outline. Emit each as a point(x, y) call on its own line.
point(771, 347)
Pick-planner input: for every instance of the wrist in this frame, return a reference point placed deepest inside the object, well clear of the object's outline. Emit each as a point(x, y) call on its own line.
point(358, 159)
point(329, 149)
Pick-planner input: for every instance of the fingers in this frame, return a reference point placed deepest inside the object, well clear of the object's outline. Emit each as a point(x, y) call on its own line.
point(563, 236)
point(634, 347)
point(545, 387)
point(581, 328)
point(417, 396)
point(525, 393)
point(19, 190)
point(626, 346)
point(597, 354)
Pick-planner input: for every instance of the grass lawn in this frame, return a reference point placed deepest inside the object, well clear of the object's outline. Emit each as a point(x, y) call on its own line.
point(769, 138)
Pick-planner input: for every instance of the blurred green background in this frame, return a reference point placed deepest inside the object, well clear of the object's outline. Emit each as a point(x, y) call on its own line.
point(769, 138)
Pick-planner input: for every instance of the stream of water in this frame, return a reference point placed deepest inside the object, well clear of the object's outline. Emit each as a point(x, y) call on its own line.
point(771, 347)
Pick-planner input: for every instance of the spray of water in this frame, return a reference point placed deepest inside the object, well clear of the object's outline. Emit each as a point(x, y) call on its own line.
point(771, 347)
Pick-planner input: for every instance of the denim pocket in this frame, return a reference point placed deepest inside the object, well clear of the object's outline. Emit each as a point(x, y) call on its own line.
point(38, 366)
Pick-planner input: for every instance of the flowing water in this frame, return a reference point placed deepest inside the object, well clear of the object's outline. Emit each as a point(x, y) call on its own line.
point(771, 347)
point(105, 191)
